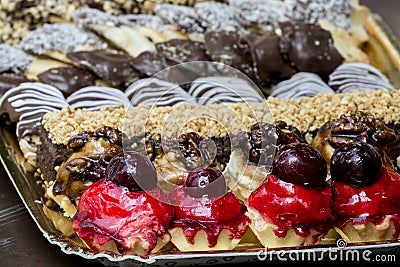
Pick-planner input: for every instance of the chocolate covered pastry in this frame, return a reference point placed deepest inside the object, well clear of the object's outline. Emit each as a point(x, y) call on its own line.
point(301, 84)
point(153, 91)
point(57, 39)
point(11, 80)
point(317, 54)
point(97, 97)
point(110, 65)
point(97, 111)
point(269, 63)
point(229, 48)
point(13, 59)
point(358, 76)
point(67, 79)
point(118, 31)
point(148, 63)
point(25, 105)
point(219, 89)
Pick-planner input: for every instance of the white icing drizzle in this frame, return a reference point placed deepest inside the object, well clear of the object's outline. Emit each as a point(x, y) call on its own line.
point(150, 91)
point(27, 103)
point(302, 84)
point(96, 97)
point(59, 37)
point(29, 96)
point(358, 76)
point(209, 90)
point(29, 120)
point(13, 59)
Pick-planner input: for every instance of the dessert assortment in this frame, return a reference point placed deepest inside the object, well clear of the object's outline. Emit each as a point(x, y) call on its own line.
point(157, 127)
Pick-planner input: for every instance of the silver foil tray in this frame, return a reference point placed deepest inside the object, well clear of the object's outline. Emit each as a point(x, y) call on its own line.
point(384, 51)
point(31, 193)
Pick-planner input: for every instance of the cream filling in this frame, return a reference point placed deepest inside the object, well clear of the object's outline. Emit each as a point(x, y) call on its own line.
point(243, 178)
point(28, 146)
point(62, 201)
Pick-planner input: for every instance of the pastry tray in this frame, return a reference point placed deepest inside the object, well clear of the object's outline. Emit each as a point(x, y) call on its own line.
point(384, 51)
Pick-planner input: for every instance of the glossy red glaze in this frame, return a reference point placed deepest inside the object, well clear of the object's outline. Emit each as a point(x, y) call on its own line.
point(209, 214)
point(370, 203)
point(108, 212)
point(291, 206)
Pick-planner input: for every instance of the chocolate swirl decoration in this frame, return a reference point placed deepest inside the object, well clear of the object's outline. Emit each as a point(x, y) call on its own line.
point(302, 84)
point(27, 103)
point(97, 97)
point(349, 77)
point(210, 90)
point(150, 91)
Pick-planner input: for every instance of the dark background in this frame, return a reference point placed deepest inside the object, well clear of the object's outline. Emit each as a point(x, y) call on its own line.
point(22, 244)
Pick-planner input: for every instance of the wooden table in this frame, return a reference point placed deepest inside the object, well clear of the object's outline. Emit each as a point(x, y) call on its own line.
point(22, 244)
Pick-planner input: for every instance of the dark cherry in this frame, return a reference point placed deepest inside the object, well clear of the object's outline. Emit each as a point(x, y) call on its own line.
point(357, 164)
point(132, 170)
point(205, 181)
point(301, 164)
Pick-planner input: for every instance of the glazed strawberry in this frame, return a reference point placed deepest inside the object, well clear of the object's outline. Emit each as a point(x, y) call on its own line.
point(366, 194)
point(293, 205)
point(124, 219)
point(207, 216)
